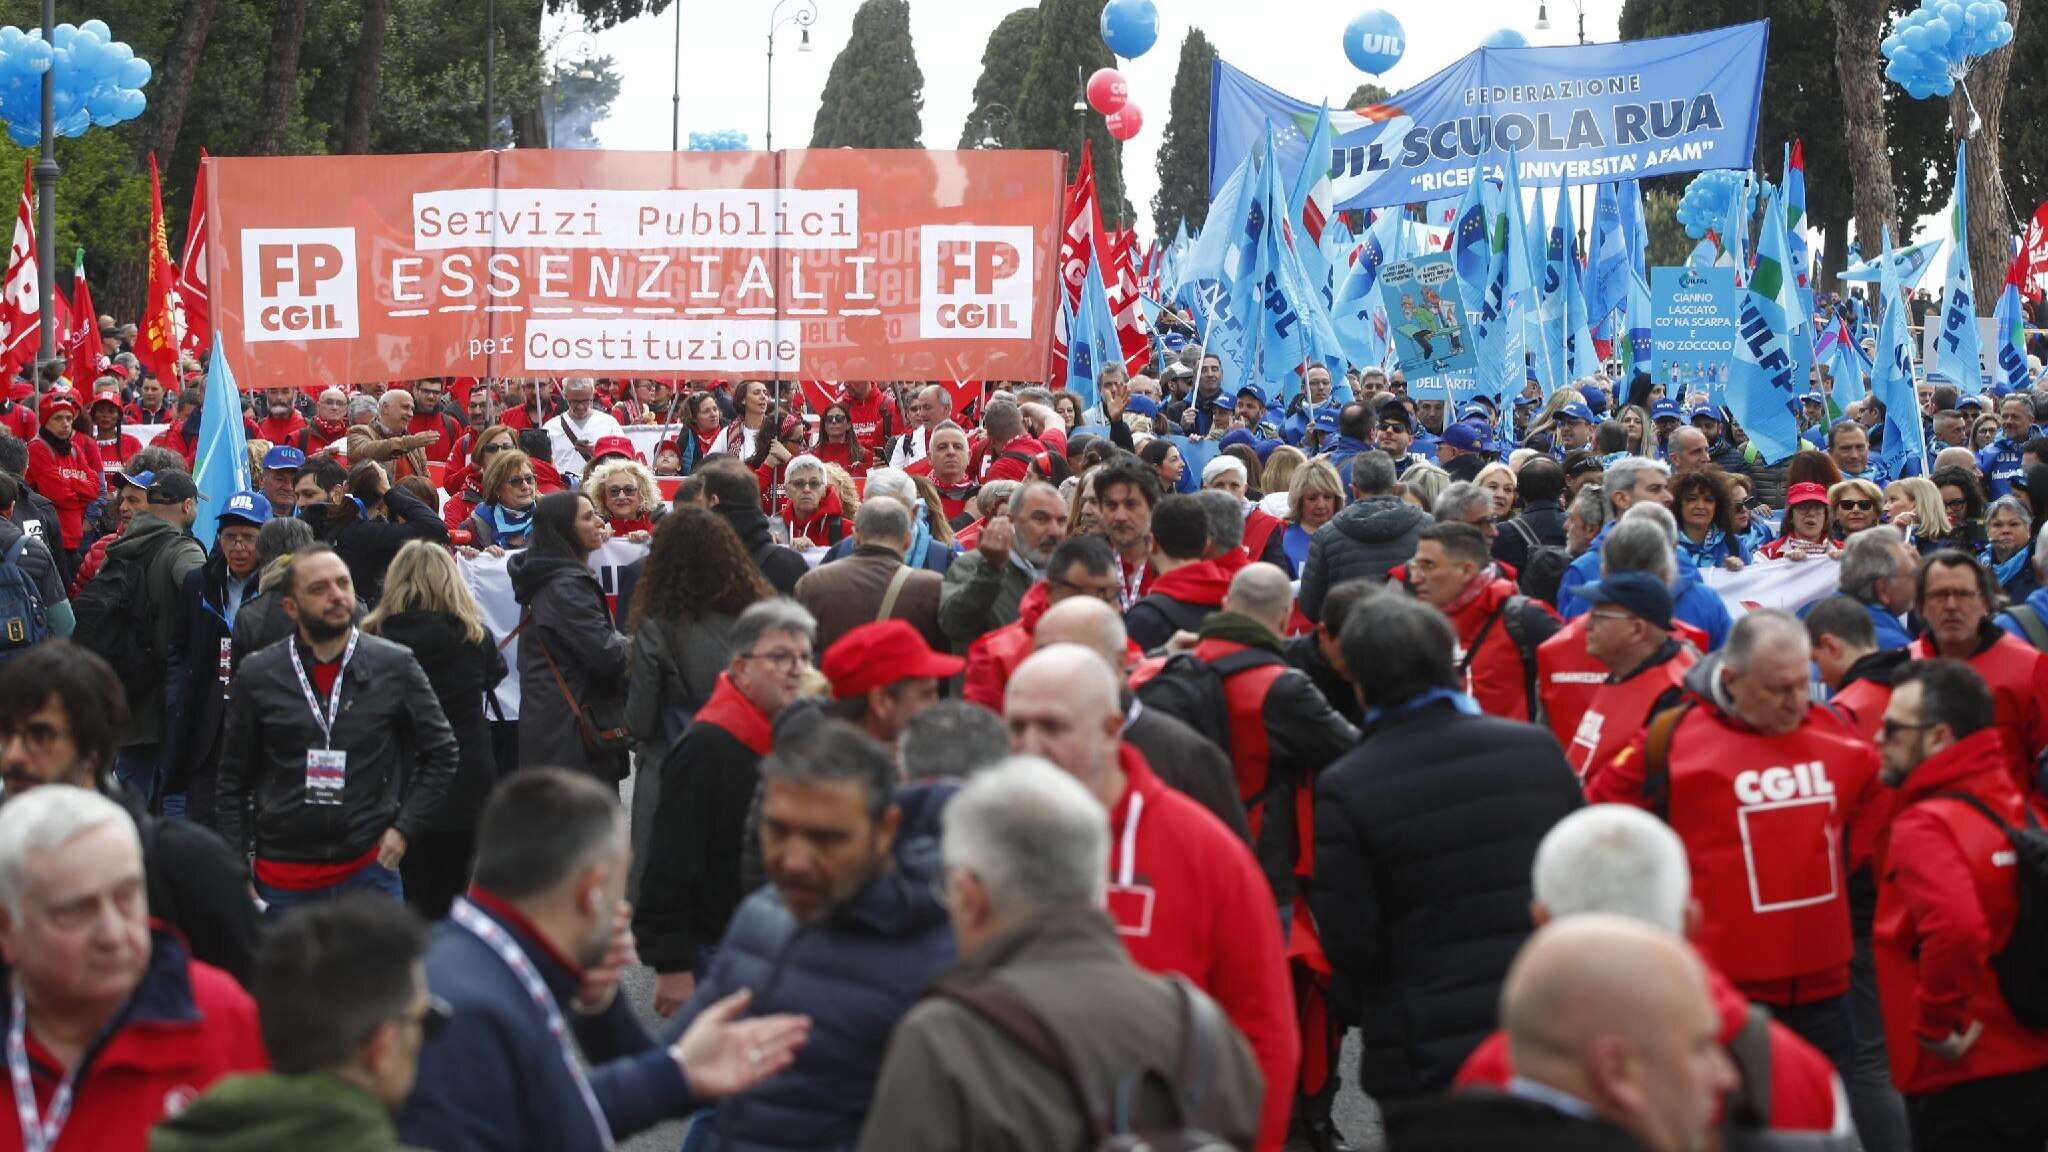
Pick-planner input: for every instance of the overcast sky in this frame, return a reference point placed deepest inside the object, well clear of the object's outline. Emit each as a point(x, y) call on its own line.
point(1295, 45)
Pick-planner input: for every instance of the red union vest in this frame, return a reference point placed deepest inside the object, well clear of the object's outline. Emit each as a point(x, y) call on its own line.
point(1762, 818)
point(1618, 712)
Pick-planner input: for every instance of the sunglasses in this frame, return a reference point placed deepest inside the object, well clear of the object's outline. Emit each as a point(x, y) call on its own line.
point(1856, 505)
point(622, 490)
point(523, 481)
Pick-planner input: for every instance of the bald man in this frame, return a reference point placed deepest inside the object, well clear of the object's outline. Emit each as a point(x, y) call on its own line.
point(1186, 761)
point(1615, 1044)
point(1185, 892)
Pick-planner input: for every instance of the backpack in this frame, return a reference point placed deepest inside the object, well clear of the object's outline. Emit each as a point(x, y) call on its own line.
point(2022, 966)
point(114, 621)
point(2030, 622)
point(23, 623)
point(1542, 573)
point(1512, 615)
point(1190, 689)
point(1105, 1114)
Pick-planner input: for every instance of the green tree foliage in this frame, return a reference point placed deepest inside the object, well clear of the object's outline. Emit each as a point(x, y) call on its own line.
point(1069, 48)
point(1366, 94)
point(874, 95)
point(1668, 245)
point(1003, 64)
point(1183, 163)
point(1801, 99)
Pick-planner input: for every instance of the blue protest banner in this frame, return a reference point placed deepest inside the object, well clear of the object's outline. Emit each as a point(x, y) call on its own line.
point(1692, 329)
point(1578, 114)
point(1427, 317)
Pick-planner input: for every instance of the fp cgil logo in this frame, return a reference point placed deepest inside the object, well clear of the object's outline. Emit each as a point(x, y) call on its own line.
point(974, 282)
point(299, 284)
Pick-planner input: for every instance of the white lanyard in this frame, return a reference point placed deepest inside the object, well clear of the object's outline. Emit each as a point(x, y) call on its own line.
point(325, 719)
point(1132, 583)
point(495, 938)
point(1127, 856)
point(37, 1134)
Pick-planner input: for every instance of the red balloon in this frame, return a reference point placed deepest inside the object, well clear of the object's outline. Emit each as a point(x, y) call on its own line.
point(1125, 122)
point(1108, 91)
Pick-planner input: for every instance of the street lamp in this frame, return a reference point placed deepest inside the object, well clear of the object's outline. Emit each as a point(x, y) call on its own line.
point(1543, 17)
point(803, 17)
point(585, 47)
point(989, 139)
point(675, 116)
point(1080, 91)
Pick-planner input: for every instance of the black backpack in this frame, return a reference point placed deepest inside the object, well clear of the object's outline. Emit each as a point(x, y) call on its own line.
point(2022, 967)
point(114, 620)
point(1108, 1128)
point(1513, 616)
point(23, 621)
point(1190, 689)
point(1542, 571)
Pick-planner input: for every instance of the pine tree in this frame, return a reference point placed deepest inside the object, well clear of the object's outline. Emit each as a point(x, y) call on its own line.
point(1183, 164)
point(874, 95)
point(1002, 77)
point(1069, 48)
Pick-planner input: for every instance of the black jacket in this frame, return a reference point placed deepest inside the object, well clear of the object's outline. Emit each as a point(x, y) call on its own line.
point(401, 756)
point(262, 622)
point(199, 886)
point(781, 567)
point(566, 619)
point(1363, 541)
point(462, 671)
point(1544, 519)
point(692, 882)
point(1187, 763)
point(1307, 656)
point(1468, 1121)
point(1425, 834)
point(367, 546)
point(196, 685)
point(1154, 619)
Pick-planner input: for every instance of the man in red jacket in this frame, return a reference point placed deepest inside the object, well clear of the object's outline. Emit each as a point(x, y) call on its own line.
point(1770, 792)
point(1188, 587)
point(112, 1025)
point(1957, 596)
point(873, 410)
point(1628, 630)
point(63, 465)
point(1499, 630)
point(1858, 673)
point(1185, 893)
point(1975, 1078)
point(1080, 566)
point(281, 420)
point(1613, 860)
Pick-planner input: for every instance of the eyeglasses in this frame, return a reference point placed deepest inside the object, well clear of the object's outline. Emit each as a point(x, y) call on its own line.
point(806, 485)
point(523, 480)
point(622, 490)
point(1889, 728)
point(1957, 594)
point(1107, 593)
point(779, 660)
point(1957, 503)
point(38, 735)
point(491, 450)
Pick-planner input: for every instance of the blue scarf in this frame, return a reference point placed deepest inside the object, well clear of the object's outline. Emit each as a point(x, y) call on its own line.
point(1465, 705)
point(504, 522)
point(1707, 554)
point(2014, 567)
point(920, 537)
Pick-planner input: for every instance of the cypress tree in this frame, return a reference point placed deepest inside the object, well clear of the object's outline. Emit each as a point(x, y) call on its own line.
point(1069, 49)
point(1003, 64)
point(874, 95)
point(1183, 164)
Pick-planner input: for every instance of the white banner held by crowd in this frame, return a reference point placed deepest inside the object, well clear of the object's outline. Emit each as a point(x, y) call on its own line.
point(1790, 585)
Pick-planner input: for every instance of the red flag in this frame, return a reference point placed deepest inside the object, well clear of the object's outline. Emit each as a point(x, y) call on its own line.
point(1080, 230)
point(20, 306)
point(192, 288)
point(1120, 278)
point(818, 395)
point(83, 357)
point(2034, 256)
point(163, 319)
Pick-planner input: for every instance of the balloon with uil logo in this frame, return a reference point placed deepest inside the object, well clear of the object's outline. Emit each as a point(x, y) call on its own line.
point(1374, 41)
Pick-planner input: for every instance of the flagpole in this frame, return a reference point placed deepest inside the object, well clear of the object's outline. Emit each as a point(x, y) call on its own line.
point(46, 207)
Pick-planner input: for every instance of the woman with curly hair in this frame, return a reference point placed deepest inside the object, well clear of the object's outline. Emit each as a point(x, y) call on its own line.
point(695, 582)
point(1706, 521)
point(837, 443)
point(626, 496)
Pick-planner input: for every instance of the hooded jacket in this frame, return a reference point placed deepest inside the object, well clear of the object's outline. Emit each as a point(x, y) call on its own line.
point(67, 473)
point(262, 1113)
point(170, 555)
point(2017, 675)
point(781, 567)
point(855, 972)
point(566, 618)
point(1866, 689)
point(1363, 541)
point(1178, 602)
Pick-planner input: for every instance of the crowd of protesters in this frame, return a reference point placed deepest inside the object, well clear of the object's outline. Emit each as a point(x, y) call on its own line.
point(1013, 770)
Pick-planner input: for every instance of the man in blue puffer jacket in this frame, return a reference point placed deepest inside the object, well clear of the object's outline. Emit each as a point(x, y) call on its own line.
point(848, 929)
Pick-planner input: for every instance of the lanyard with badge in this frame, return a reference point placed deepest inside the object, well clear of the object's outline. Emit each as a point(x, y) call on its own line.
point(326, 766)
point(498, 941)
point(37, 1134)
point(1129, 903)
point(1134, 584)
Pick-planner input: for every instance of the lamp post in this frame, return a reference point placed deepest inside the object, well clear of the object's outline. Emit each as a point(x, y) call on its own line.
point(1543, 17)
point(46, 210)
point(803, 17)
point(490, 73)
point(675, 116)
point(988, 130)
point(586, 46)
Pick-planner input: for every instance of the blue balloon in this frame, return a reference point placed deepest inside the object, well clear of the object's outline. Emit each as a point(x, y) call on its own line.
point(1504, 38)
point(1130, 27)
point(1374, 41)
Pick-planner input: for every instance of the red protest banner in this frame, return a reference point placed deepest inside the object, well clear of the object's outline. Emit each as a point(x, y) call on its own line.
point(835, 264)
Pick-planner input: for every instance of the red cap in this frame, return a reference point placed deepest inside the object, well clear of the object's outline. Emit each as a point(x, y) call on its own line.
point(106, 396)
point(60, 398)
point(880, 654)
point(121, 370)
point(1805, 494)
point(608, 446)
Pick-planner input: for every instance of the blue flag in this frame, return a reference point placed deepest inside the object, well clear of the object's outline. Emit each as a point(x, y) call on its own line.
point(2010, 321)
point(1609, 260)
point(1356, 310)
point(1547, 330)
point(1294, 328)
point(1763, 393)
point(1308, 204)
point(1892, 379)
point(1091, 339)
point(1836, 351)
point(1499, 333)
point(221, 459)
point(1734, 234)
point(1958, 349)
point(1471, 247)
point(1908, 263)
point(1581, 358)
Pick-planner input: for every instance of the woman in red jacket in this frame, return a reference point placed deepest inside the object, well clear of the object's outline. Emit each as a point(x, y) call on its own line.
point(64, 467)
point(836, 442)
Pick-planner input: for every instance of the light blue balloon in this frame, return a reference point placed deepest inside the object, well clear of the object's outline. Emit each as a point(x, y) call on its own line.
point(132, 103)
point(65, 34)
point(134, 73)
point(98, 30)
point(1130, 27)
point(1374, 41)
point(1504, 38)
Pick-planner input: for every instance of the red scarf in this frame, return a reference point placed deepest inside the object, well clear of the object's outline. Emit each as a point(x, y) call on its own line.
point(636, 524)
point(815, 528)
point(730, 710)
point(324, 432)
